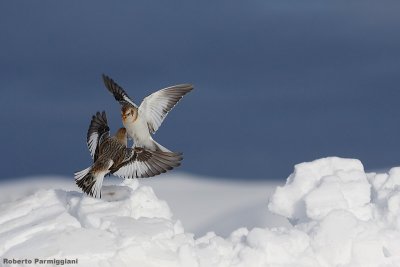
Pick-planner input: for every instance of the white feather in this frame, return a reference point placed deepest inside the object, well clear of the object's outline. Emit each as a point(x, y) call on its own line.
point(92, 143)
point(96, 189)
point(127, 99)
point(155, 107)
point(79, 175)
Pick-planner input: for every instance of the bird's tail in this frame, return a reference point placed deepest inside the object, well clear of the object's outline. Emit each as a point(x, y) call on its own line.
point(160, 147)
point(90, 181)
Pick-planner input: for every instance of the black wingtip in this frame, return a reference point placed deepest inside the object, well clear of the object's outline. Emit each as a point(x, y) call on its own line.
point(104, 116)
point(108, 82)
point(116, 90)
point(105, 77)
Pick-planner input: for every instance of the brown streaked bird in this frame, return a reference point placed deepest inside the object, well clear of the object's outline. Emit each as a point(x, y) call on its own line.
point(110, 155)
point(144, 120)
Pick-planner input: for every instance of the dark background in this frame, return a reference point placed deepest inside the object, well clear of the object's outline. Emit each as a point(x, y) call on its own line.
point(276, 82)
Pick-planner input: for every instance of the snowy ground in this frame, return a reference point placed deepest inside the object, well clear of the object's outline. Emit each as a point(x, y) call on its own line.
point(340, 216)
point(221, 206)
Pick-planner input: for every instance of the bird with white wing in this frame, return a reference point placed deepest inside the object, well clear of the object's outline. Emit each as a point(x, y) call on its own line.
point(111, 156)
point(144, 120)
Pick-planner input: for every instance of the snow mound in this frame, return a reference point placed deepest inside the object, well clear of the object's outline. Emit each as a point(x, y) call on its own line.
point(341, 216)
point(351, 218)
point(319, 187)
point(128, 226)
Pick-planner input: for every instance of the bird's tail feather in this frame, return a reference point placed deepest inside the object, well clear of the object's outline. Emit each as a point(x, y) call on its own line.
point(79, 175)
point(90, 181)
point(160, 147)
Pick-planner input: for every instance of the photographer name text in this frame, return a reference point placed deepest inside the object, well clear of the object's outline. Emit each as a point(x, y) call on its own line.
point(37, 261)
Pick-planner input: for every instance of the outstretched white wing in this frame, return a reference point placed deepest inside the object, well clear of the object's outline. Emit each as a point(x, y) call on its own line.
point(144, 163)
point(156, 106)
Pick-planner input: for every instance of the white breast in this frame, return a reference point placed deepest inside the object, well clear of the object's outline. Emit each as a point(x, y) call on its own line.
point(139, 132)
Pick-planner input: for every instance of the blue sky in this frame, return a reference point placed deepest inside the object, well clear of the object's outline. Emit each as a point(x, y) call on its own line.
point(276, 82)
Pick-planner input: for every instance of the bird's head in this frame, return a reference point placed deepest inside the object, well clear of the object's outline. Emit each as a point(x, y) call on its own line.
point(128, 113)
point(122, 136)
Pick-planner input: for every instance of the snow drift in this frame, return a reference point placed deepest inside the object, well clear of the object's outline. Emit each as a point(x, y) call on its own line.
point(341, 216)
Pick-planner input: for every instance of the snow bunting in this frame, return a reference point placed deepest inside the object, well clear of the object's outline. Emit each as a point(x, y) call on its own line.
point(110, 155)
point(144, 120)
